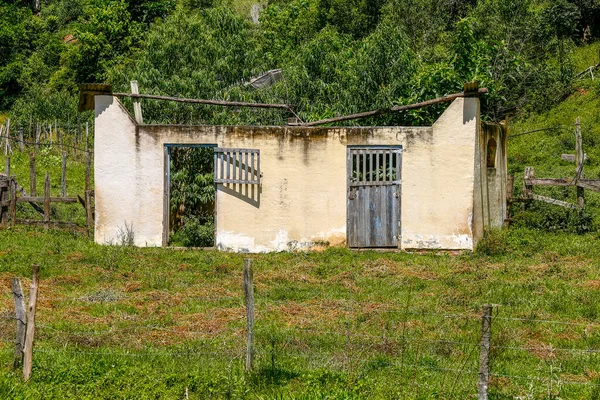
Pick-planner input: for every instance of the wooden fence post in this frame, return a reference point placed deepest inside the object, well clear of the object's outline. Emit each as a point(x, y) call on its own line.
point(32, 175)
point(63, 177)
point(13, 201)
point(249, 295)
point(579, 160)
point(484, 354)
point(28, 349)
point(7, 142)
point(88, 171)
point(528, 188)
point(47, 201)
point(38, 131)
point(86, 137)
point(4, 197)
point(510, 189)
point(8, 166)
point(59, 136)
point(88, 212)
point(20, 316)
point(21, 142)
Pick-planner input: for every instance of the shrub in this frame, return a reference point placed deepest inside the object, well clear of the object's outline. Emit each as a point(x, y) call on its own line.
point(195, 233)
point(555, 219)
point(493, 242)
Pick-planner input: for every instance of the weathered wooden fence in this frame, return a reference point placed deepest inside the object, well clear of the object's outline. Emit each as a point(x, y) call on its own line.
point(12, 193)
point(577, 181)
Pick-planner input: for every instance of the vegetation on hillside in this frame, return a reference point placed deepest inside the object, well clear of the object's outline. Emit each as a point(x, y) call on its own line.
point(337, 56)
point(539, 139)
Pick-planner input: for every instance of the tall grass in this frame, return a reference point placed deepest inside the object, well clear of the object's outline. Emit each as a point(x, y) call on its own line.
point(123, 322)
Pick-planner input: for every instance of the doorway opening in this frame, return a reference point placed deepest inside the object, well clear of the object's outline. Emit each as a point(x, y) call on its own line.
point(190, 196)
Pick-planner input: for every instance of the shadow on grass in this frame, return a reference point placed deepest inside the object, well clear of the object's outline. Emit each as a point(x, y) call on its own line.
point(270, 375)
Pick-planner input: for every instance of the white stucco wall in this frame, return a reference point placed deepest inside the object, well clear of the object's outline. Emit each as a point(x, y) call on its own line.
point(303, 194)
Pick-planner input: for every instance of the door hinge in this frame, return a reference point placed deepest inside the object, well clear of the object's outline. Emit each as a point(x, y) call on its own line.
point(352, 193)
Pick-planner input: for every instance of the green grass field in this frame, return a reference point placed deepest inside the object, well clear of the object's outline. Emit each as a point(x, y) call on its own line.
point(123, 322)
point(117, 322)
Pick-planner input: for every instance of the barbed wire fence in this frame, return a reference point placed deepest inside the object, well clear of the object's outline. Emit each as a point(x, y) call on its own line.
point(54, 135)
point(445, 353)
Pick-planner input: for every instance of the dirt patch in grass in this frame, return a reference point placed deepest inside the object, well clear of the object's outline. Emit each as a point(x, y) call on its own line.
point(295, 275)
point(306, 314)
point(132, 286)
point(75, 256)
point(541, 350)
point(592, 284)
point(66, 280)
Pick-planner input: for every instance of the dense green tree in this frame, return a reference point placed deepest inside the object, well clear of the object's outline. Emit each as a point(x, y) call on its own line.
point(18, 32)
point(337, 56)
point(355, 17)
point(149, 10)
point(194, 55)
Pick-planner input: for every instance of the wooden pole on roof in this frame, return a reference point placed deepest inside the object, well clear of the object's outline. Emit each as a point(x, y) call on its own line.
point(137, 105)
point(223, 103)
point(443, 99)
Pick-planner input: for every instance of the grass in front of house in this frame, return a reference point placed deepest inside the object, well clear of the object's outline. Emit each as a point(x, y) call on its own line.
point(122, 322)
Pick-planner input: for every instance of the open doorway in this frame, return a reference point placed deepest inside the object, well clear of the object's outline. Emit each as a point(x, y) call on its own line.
point(190, 195)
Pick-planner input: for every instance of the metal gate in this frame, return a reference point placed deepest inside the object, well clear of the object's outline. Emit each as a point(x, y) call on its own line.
point(373, 196)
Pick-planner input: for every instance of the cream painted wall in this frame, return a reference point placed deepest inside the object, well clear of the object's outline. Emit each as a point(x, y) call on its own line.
point(303, 195)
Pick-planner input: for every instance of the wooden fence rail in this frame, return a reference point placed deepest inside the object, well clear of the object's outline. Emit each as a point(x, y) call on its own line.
point(578, 181)
point(11, 194)
point(9, 198)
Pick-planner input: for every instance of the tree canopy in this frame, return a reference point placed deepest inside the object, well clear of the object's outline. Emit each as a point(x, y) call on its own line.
point(337, 57)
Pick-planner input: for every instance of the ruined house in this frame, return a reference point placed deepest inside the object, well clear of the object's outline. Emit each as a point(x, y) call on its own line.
point(291, 187)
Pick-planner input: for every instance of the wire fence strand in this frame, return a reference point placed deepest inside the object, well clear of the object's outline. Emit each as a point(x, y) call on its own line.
point(55, 144)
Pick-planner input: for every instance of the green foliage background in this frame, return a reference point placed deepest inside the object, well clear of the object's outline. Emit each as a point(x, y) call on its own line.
point(337, 56)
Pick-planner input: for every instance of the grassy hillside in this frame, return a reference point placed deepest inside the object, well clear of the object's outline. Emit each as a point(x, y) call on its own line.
point(553, 135)
point(122, 322)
